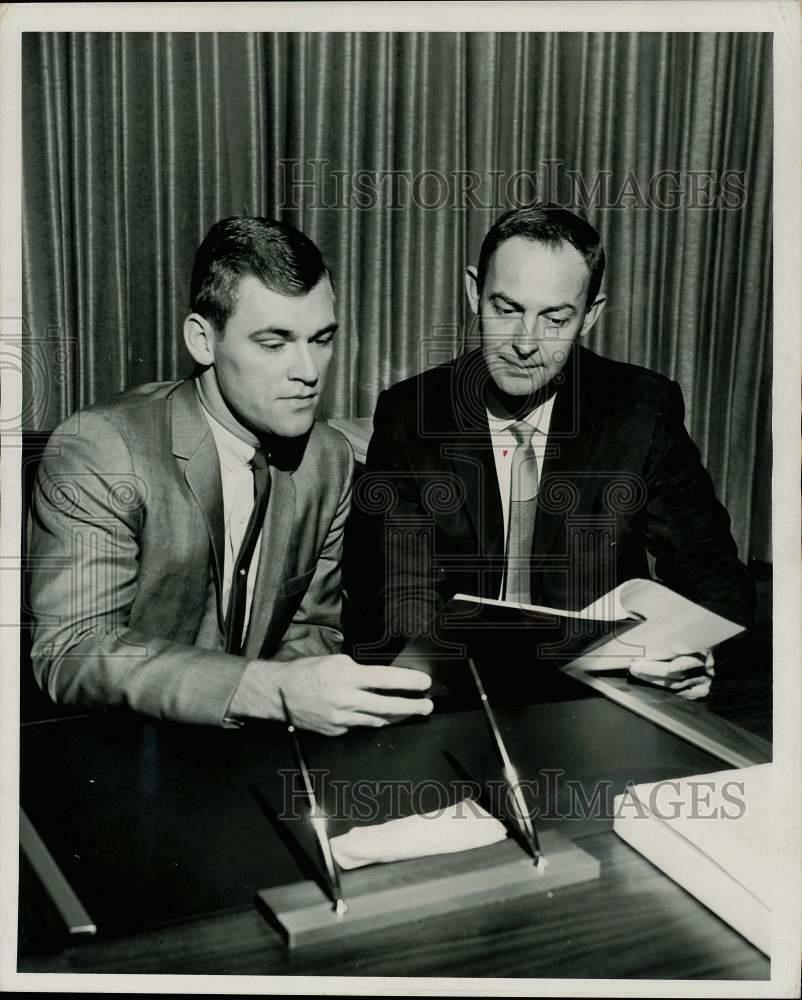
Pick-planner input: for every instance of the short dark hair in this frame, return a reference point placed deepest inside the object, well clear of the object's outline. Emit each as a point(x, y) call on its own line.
point(276, 253)
point(550, 224)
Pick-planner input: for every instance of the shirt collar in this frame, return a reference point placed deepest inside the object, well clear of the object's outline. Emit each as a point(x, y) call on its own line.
point(539, 418)
point(234, 453)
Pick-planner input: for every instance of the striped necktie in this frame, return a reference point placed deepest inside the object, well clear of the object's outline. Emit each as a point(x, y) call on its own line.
point(238, 597)
point(521, 531)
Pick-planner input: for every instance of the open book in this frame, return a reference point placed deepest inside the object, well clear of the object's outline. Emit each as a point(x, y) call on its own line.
point(667, 625)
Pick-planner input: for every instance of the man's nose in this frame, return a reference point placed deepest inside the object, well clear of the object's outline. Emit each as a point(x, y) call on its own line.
point(303, 367)
point(525, 340)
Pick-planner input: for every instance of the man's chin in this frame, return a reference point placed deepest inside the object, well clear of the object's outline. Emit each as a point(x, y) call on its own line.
point(292, 428)
point(523, 386)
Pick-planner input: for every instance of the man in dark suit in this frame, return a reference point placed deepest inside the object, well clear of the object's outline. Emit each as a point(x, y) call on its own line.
point(187, 536)
point(532, 469)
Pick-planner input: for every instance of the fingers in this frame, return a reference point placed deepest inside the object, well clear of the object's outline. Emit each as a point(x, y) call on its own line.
point(662, 669)
point(672, 683)
point(696, 691)
point(331, 694)
point(679, 668)
point(364, 708)
point(688, 676)
point(392, 678)
point(391, 707)
point(326, 729)
point(371, 721)
point(348, 720)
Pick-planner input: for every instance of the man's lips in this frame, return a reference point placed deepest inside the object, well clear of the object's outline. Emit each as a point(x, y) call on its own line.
point(525, 366)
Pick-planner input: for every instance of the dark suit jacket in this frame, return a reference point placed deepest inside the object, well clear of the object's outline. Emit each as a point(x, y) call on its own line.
point(127, 550)
point(621, 477)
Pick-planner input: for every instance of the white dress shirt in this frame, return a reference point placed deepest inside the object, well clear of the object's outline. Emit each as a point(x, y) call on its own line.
point(504, 444)
point(237, 478)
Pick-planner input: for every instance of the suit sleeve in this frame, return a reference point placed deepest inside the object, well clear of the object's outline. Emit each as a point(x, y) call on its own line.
point(316, 628)
point(87, 509)
point(685, 526)
point(390, 578)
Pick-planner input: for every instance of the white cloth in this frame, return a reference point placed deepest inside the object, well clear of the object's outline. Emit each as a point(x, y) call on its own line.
point(237, 478)
point(458, 827)
point(503, 442)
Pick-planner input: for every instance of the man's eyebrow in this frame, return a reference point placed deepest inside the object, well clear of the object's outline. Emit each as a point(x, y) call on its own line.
point(277, 331)
point(508, 300)
point(331, 328)
point(520, 308)
point(554, 309)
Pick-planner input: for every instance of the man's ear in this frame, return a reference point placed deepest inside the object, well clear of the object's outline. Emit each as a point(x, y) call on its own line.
point(472, 287)
point(592, 314)
point(200, 339)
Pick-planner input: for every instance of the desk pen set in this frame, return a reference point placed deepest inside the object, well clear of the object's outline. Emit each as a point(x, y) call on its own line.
point(389, 893)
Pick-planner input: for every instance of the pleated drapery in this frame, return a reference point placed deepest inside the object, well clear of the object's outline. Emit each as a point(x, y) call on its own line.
point(395, 152)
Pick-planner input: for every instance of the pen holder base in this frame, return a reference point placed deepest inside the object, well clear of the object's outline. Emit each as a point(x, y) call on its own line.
point(386, 895)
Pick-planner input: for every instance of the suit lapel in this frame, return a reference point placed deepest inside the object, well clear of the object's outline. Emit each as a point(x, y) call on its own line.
point(474, 466)
point(193, 443)
point(471, 456)
point(277, 535)
point(569, 449)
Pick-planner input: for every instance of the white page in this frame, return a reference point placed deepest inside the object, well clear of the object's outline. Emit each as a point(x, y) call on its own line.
point(587, 613)
point(673, 625)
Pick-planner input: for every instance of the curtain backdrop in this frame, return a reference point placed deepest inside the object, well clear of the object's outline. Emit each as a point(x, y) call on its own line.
point(395, 152)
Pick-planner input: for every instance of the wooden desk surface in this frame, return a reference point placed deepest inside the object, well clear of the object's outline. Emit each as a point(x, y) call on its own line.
point(633, 923)
point(166, 832)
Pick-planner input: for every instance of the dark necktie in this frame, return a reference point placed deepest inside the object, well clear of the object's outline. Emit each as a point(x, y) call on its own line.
point(237, 599)
point(523, 493)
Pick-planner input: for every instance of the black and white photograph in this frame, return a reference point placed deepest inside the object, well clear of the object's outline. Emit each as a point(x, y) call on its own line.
point(401, 528)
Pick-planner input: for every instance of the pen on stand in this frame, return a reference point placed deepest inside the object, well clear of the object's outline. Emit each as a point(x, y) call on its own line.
point(510, 774)
point(316, 815)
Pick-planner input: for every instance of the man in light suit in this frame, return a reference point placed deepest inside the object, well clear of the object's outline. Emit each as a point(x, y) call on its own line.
point(187, 536)
point(533, 451)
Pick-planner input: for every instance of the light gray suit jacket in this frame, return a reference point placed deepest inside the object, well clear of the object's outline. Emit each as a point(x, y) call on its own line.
point(127, 542)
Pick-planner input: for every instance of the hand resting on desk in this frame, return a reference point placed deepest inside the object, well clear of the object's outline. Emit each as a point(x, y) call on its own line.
point(690, 676)
point(330, 694)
